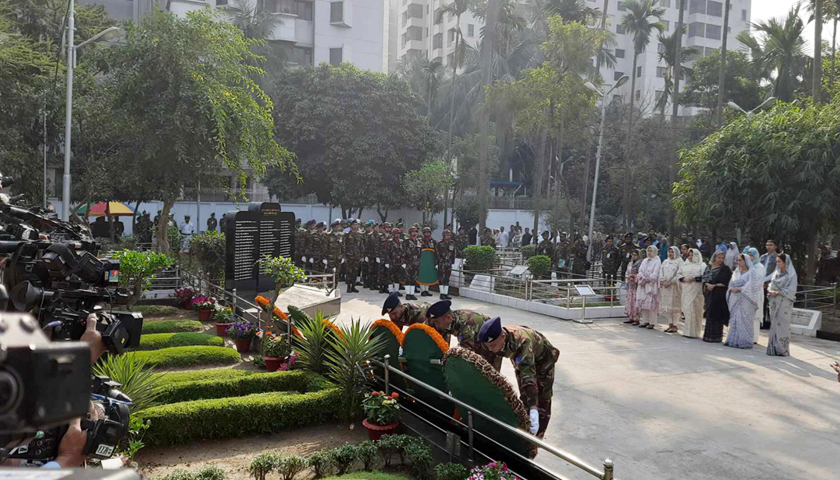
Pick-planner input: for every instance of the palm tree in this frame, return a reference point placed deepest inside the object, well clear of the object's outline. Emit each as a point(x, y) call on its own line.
point(258, 23)
point(722, 74)
point(668, 55)
point(783, 50)
point(760, 69)
point(456, 8)
point(641, 19)
point(431, 71)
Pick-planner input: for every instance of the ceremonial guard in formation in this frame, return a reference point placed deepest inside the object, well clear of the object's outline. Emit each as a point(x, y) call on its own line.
point(578, 253)
point(369, 256)
point(334, 252)
point(427, 266)
point(412, 248)
point(610, 262)
point(533, 359)
point(404, 314)
point(212, 223)
point(144, 228)
point(395, 263)
point(353, 245)
point(382, 258)
point(462, 241)
point(447, 252)
point(562, 249)
point(545, 247)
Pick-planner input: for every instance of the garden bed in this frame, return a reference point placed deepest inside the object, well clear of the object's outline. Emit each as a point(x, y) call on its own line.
point(237, 386)
point(171, 325)
point(157, 341)
point(176, 357)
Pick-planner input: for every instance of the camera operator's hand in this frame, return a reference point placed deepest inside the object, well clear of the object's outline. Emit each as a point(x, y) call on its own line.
point(94, 338)
point(72, 446)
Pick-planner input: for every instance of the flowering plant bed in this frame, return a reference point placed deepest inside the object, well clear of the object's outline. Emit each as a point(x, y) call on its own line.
point(492, 471)
point(184, 296)
point(202, 302)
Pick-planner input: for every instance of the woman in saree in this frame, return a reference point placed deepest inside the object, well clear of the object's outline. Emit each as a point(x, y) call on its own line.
point(782, 294)
point(630, 308)
point(760, 272)
point(715, 283)
point(691, 288)
point(647, 291)
point(744, 296)
point(670, 304)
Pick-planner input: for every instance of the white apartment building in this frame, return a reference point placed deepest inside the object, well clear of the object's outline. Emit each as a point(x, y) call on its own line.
point(704, 25)
point(421, 35)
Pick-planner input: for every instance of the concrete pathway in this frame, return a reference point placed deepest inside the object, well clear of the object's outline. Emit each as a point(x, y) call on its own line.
point(666, 407)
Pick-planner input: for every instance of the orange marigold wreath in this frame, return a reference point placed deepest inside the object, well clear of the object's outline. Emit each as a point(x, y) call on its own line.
point(264, 302)
point(431, 332)
point(391, 326)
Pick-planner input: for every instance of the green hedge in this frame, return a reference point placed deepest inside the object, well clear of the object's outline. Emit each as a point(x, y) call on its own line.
point(479, 258)
point(291, 381)
point(199, 375)
point(229, 417)
point(528, 251)
point(156, 341)
point(539, 266)
point(150, 311)
point(172, 326)
point(188, 356)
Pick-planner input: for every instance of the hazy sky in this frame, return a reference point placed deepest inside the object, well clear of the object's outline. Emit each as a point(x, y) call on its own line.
point(766, 9)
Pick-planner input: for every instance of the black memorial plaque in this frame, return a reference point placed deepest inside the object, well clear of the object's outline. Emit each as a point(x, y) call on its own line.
point(250, 235)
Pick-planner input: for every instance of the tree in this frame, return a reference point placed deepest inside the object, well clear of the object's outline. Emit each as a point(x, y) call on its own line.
point(639, 22)
point(783, 50)
point(668, 55)
point(186, 84)
point(741, 87)
point(137, 268)
point(426, 187)
point(355, 133)
point(722, 70)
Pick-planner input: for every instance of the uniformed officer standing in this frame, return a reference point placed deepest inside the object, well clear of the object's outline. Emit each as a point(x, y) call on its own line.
point(334, 255)
point(533, 359)
point(445, 255)
point(303, 244)
point(382, 258)
point(353, 243)
point(412, 247)
point(404, 314)
point(426, 242)
point(464, 324)
point(487, 239)
point(545, 247)
point(610, 261)
point(368, 255)
point(578, 255)
point(395, 264)
point(462, 240)
point(562, 249)
point(318, 247)
point(627, 248)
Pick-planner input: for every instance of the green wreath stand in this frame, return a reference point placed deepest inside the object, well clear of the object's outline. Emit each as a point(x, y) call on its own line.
point(423, 353)
point(391, 342)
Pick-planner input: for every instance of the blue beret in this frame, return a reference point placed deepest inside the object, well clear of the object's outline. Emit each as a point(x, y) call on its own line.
point(438, 309)
point(491, 330)
point(392, 302)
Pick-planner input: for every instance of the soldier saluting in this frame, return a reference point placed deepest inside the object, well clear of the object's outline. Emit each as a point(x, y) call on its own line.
point(533, 359)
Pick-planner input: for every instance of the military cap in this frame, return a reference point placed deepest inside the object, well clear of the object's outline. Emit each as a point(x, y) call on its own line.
point(545, 232)
point(395, 231)
point(412, 228)
point(387, 224)
point(491, 330)
point(392, 302)
point(438, 309)
point(335, 222)
point(628, 234)
point(310, 222)
point(447, 232)
point(415, 225)
point(353, 220)
point(427, 228)
point(609, 237)
point(321, 225)
point(298, 220)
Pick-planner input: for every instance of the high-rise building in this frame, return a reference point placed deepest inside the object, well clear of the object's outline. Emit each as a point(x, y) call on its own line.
point(425, 33)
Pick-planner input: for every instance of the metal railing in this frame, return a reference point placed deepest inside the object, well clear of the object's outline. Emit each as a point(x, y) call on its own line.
point(816, 297)
point(607, 473)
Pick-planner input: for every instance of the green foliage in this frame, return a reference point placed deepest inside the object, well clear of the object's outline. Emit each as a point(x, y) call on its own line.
point(344, 457)
point(467, 210)
point(276, 346)
point(209, 249)
point(202, 375)
point(137, 378)
point(138, 268)
point(425, 187)
point(420, 456)
point(321, 463)
point(381, 409)
point(528, 251)
point(210, 472)
point(223, 315)
point(742, 87)
point(157, 341)
point(314, 344)
point(289, 381)
point(349, 353)
point(479, 258)
point(259, 413)
point(172, 326)
point(263, 464)
point(451, 471)
point(466, 148)
point(288, 466)
point(283, 271)
point(539, 265)
point(374, 475)
point(154, 311)
point(175, 238)
point(187, 356)
point(133, 442)
point(390, 445)
point(368, 453)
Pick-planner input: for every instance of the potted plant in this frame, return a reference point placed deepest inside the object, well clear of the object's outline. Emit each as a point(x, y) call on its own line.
point(242, 333)
point(382, 413)
point(205, 306)
point(275, 351)
point(224, 319)
point(184, 296)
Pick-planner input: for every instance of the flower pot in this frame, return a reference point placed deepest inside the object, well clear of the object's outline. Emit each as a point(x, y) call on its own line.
point(272, 364)
point(376, 431)
point(222, 328)
point(204, 315)
point(243, 345)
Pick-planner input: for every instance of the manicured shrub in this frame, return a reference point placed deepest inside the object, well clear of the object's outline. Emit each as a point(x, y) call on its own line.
point(289, 466)
point(199, 375)
point(290, 381)
point(344, 457)
point(539, 265)
point(451, 471)
point(321, 462)
point(211, 472)
point(171, 326)
point(368, 454)
point(390, 445)
point(153, 311)
point(420, 456)
point(156, 341)
point(263, 464)
point(188, 356)
point(240, 416)
point(528, 251)
point(479, 258)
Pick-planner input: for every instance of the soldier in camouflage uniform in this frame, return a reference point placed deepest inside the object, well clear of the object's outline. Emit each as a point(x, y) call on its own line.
point(411, 249)
point(533, 359)
point(464, 324)
point(302, 244)
point(404, 314)
point(353, 244)
point(384, 240)
point(317, 246)
point(369, 255)
point(445, 255)
point(627, 248)
point(545, 247)
point(462, 241)
point(334, 251)
point(487, 239)
point(562, 252)
point(395, 262)
point(426, 242)
point(578, 253)
point(610, 261)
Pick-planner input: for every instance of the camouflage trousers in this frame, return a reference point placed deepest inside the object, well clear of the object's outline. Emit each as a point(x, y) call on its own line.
point(545, 390)
point(351, 270)
point(412, 272)
point(384, 275)
point(396, 274)
point(444, 272)
point(369, 274)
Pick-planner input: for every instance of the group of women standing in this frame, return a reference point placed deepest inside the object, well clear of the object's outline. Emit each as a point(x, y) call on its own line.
point(683, 285)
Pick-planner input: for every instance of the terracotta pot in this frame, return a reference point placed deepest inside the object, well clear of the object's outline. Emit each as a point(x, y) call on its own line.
point(376, 431)
point(222, 328)
point(272, 364)
point(243, 345)
point(204, 315)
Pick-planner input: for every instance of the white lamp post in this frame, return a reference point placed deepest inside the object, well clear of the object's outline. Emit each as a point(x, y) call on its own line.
point(749, 114)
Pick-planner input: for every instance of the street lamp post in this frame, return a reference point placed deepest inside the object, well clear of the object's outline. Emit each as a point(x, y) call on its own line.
point(749, 114)
point(621, 81)
point(68, 116)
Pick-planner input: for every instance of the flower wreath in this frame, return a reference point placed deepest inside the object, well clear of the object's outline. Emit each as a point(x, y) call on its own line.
point(264, 302)
point(431, 332)
point(391, 326)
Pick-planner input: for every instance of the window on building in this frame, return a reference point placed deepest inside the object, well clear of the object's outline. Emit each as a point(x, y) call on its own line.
point(696, 6)
point(281, 6)
point(638, 71)
point(337, 13)
point(437, 41)
point(667, 25)
point(304, 10)
point(665, 3)
point(427, 33)
point(221, 3)
point(470, 30)
point(415, 11)
point(619, 53)
point(335, 56)
point(696, 29)
point(714, 9)
point(713, 31)
point(744, 15)
point(660, 48)
point(621, 7)
point(450, 58)
point(438, 17)
point(451, 37)
point(660, 72)
point(301, 56)
point(617, 75)
point(414, 33)
point(638, 94)
point(708, 50)
point(619, 29)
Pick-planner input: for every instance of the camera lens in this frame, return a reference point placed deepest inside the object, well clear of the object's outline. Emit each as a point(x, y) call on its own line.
point(8, 392)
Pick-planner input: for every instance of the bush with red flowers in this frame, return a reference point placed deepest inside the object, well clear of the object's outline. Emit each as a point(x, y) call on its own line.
point(381, 409)
point(184, 296)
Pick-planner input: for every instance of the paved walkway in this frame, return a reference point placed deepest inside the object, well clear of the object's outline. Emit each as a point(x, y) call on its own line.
point(667, 407)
